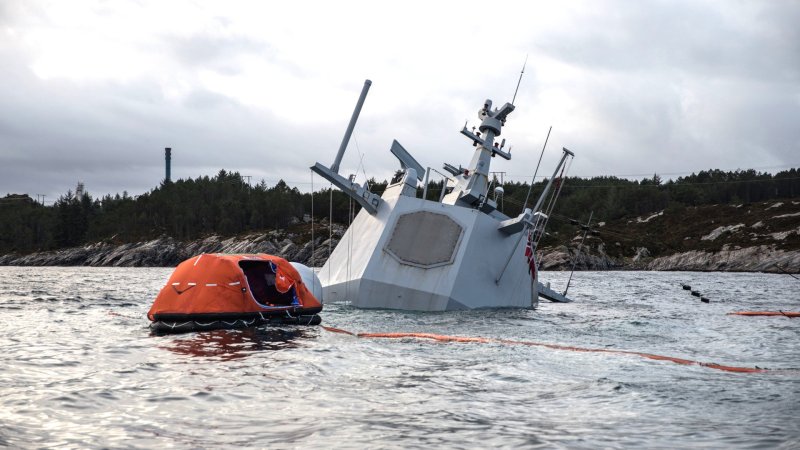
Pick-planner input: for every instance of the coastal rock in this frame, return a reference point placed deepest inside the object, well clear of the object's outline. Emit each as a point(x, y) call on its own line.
point(168, 252)
point(750, 259)
point(563, 258)
point(641, 254)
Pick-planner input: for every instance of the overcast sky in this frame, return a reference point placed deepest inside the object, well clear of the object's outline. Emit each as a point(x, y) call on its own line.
point(93, 91)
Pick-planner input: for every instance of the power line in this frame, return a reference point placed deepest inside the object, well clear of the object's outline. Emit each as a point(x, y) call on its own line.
point(667, 185)
point(628, 185)
point(686, 172)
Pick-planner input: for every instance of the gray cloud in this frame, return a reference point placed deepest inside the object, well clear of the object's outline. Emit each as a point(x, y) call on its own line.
point(111, 136)
point(677, 85)
point(647, 87)
point(214, 51)
point(743, 40)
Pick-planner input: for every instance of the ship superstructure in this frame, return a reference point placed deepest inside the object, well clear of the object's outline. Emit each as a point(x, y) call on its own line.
point(461, 252)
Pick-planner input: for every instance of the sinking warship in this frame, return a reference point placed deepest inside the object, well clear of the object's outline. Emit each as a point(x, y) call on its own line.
point(405, 252)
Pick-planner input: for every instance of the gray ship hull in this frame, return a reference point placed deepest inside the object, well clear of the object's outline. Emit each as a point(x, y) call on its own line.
point(415, 254)
point(404, 252)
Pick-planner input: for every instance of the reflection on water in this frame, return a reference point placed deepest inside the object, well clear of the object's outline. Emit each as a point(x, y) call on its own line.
point(228, 345)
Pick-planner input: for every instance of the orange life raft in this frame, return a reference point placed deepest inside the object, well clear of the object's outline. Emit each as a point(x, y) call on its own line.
point(213, 291)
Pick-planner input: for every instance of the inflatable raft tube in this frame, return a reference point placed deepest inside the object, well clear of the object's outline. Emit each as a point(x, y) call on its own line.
point(165, 324)
point(765, 313)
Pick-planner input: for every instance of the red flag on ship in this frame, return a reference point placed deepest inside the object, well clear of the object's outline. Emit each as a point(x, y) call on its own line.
point(529, 254)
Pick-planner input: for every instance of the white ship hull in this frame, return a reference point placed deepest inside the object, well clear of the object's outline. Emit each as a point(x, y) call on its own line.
point(404, 252)
point(383, 263)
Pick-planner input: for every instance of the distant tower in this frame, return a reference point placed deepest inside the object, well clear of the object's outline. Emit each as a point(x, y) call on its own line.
point(79, 191)
point(168, 163)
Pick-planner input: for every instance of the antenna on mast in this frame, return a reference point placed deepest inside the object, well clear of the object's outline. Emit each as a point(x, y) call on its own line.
point(520, 79)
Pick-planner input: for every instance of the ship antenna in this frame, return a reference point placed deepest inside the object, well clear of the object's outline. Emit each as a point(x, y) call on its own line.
point(520, 80)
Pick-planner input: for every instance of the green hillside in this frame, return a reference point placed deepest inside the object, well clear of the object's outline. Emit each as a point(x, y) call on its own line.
point(226, 205)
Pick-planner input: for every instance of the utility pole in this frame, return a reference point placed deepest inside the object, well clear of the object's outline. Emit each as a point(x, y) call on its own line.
point(248, 184)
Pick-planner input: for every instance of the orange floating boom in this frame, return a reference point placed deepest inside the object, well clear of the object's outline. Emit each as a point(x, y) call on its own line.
point(483, 340)
point(765, 313)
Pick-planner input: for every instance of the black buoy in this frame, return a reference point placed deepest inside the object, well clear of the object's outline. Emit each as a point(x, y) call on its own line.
point(704, 299)
point(696, 293)
point(686, 287)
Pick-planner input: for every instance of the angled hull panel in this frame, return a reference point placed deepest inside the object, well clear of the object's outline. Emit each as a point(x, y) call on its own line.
point(449, 263)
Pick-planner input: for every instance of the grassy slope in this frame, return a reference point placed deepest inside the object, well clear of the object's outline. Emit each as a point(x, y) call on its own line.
point(774, 223)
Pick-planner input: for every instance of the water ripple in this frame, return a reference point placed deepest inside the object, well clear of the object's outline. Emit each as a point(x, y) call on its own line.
point(81, 369)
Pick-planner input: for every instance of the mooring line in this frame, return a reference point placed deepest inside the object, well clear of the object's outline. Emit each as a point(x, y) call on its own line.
point(484, 340)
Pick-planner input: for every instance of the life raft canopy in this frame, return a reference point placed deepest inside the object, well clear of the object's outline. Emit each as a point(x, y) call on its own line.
point(222, 289)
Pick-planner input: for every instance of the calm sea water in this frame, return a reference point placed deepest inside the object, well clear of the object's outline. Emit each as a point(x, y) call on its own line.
point(81, 369)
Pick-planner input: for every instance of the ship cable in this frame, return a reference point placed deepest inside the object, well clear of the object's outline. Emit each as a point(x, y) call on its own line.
point(548, 210)
point(484, 340)
point(784, 271)
point(349, 248)
point(312, 220)
point(586, 229)
point(536, 172)
point(361, 163)
point(330, 230)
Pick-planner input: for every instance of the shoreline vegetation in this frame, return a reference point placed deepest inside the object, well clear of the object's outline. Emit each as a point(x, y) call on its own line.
point(712, 221)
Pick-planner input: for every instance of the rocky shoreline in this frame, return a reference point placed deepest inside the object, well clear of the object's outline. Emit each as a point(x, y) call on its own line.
point(168, 252)
point(760, 258)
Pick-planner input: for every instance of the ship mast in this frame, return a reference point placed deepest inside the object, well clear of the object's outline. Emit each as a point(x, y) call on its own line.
point(472, 183)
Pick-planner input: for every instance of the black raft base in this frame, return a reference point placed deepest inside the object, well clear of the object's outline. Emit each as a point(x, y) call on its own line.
point(186, 324)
